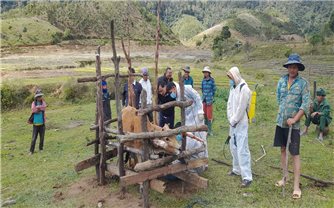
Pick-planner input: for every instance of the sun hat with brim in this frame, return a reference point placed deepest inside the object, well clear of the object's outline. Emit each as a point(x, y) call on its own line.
point(295, 59)
point(38, 94)
point(321, 92)
point(206, 69)
point(186, 69)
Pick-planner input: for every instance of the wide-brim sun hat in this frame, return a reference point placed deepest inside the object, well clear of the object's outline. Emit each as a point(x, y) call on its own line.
point(295, 59)
point(39, 94)
point(186, 69)
point(206, 69)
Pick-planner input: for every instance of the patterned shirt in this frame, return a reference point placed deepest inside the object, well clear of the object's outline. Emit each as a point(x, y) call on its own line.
point(208, 90)
point(292, 100)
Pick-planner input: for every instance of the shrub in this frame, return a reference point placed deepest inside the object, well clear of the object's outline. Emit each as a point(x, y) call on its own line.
point(24, 29)
point(74, 92)
point(56, 37)
point(13, 96)
point(198, 43)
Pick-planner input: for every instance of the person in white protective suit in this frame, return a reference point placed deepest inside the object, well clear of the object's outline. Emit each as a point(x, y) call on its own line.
point(194, 116)
point(237, 108)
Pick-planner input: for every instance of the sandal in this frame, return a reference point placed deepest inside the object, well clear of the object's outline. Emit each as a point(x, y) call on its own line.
point(280, 183)
point(297, 194)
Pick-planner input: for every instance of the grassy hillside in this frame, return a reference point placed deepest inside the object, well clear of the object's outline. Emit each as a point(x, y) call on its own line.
point(91, 19)
point(27, 31)
point(186, 27)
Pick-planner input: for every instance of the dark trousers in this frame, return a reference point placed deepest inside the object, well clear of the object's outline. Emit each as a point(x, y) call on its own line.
point(322, 121)
point(166, 120)
point(35, 131)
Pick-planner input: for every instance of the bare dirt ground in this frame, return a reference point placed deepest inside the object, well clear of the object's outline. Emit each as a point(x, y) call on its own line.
point(87, 193)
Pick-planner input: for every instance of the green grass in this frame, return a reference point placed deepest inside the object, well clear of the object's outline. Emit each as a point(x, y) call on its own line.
point(26, 31)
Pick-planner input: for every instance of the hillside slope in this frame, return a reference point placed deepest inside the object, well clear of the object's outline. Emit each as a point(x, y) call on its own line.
point(91, 19)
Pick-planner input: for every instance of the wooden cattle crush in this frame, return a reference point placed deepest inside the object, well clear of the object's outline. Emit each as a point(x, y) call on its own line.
point(146, 172)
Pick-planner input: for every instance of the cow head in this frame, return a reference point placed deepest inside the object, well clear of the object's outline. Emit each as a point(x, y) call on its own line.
point(169, 144)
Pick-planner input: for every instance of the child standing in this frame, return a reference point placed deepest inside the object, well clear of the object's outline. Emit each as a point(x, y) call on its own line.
point(38, 109)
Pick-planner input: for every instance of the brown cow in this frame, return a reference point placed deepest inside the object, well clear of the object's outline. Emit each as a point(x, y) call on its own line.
point(132, 124)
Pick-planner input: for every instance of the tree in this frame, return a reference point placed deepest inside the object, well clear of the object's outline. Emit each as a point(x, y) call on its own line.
point(225, 33)
point(247, 48)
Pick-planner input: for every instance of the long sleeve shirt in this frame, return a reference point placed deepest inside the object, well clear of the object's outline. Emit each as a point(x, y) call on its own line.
point(291, 100)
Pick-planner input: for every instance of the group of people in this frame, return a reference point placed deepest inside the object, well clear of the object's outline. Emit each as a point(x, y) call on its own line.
point(292, 97)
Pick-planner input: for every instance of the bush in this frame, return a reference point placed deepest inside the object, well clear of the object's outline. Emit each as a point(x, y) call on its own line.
point(14, 96)
point(24, 29)
point(198, 43)
point(56, 37)
point(74, 92)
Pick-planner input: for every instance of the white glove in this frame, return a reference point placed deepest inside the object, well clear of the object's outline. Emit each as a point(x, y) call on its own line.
point(200, 117)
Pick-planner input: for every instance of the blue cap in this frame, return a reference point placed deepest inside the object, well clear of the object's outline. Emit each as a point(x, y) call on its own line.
point(295, 59)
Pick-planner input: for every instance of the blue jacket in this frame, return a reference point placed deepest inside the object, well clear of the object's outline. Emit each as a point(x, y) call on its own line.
point(208, 90)
point(137, 90)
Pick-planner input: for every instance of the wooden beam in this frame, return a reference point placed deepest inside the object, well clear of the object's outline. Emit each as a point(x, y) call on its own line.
point(95, 126)
point(161, 107)
point(193, 179)
point(150, 135)
point(169, 169)
point(94, 79)
point(97, 141)
point(151, 164)
point(129, 149)
point(94, 160)
point(155, 184)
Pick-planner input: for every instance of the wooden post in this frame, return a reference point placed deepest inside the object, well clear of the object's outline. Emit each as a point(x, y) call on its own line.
point(96, 146)
point(314, 89)
point(145, 155)
point(116, 61)
point(183, 111)
point(102, 166)
point(156, 60)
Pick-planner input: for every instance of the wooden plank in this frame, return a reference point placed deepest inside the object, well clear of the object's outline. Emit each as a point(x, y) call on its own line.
point(150, 135)
point(94, 160)
point(165, 106)
point(192, 178)
point(170, 169)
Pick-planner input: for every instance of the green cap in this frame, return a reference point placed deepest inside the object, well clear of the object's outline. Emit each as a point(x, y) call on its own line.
point(321, 92)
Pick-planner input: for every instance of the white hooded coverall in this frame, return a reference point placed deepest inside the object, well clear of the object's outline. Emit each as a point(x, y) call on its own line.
point(237, 105)
point(194, 117)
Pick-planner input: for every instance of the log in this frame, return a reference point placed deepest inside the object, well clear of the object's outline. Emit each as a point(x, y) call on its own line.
point(97, 141)
point(95, 126)
point(308, 177)
point(193, 179)
point(183, 112)
point(151, 164)
point(150, 135)
point(116, 61)
point(145, 155)
point(100, 118)
point(155, 184)
point(158, 185)
point(111, 131)
point(156, 64)
point(170, 169)
point(129, 149)
point(94, 79)
point(94, 160)
point(161, 107)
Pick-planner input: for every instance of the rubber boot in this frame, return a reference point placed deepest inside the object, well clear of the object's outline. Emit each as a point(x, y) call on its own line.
point(210, 128)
